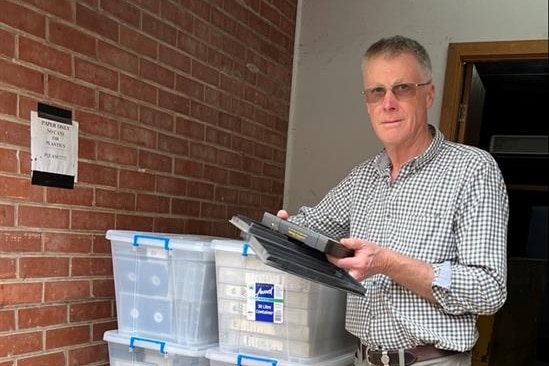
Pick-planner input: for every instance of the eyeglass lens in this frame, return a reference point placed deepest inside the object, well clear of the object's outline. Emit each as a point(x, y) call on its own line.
point(400, 91)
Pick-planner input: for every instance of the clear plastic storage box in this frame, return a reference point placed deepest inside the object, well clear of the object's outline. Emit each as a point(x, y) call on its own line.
point(125, 350)
point(266, 312)
point(165, 287)
point(221, 358)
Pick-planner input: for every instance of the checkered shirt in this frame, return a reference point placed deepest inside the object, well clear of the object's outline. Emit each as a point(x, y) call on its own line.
point(448, 207)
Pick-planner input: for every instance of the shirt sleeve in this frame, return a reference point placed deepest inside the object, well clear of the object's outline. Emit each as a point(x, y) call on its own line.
point(331, 216)
point(476, 282)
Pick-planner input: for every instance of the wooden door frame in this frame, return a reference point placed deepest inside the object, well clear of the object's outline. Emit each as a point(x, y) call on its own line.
point(460, 54)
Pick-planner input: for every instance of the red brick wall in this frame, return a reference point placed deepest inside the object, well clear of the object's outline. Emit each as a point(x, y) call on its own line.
point(183, 112)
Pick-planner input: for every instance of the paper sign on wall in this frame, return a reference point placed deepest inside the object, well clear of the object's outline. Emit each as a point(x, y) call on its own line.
point(54, 147)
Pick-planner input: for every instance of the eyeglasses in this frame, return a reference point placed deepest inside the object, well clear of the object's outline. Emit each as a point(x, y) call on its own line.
point(401, 91)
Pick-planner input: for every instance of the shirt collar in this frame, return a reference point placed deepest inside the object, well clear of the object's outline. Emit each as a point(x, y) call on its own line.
point(383, 163)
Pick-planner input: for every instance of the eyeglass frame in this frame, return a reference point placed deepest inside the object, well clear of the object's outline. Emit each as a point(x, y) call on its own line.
point(414, 86)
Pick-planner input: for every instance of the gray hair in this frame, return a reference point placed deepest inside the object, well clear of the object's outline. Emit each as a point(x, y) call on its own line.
point(397, 45)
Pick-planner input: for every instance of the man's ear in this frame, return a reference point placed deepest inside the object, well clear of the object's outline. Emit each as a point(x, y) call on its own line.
point(430, 95)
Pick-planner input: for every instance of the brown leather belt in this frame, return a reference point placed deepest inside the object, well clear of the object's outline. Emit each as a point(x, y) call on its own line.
point(411, 355)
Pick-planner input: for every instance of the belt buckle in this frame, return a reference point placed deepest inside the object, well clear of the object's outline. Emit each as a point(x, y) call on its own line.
point(385, 359)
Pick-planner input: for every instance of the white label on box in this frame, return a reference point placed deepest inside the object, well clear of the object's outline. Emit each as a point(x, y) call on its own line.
point(157, 253)
point(265, 302)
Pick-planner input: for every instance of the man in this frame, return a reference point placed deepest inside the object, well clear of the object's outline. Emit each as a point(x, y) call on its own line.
point(427, 219)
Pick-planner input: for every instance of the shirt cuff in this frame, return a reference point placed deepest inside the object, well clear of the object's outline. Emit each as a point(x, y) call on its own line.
point(443, 275)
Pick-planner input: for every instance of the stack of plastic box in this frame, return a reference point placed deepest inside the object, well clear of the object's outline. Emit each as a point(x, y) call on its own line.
point(269, 317)
point(166, 299)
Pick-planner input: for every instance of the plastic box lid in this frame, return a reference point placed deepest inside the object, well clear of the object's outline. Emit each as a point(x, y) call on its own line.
point(233, 246)
point(159, 346)
point(219, 357)
point(166, 241)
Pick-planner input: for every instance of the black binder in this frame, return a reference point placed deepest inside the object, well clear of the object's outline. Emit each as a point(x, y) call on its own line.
point(311, 238)
point(289, 255)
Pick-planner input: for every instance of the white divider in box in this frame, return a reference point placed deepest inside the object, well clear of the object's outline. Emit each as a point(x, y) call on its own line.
point(240, 324)
point(219, 357)
point(237, 276)
point(300, 300)
point(125, 350)
point(165, 286)
point(292, 316)
point(287, 349)
point(151, 279)
point(270, 313)
point(147, 315)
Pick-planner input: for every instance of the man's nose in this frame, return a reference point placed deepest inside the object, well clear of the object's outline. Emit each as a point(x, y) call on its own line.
point(390, 100)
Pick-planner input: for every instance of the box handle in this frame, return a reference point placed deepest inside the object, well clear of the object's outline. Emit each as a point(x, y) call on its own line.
point(245, 247)
point(160, 343)
point(165, 240)
point(254, 358)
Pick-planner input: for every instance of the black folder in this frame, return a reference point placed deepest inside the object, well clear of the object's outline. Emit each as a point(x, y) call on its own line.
point(311, 238)
point(289, 255)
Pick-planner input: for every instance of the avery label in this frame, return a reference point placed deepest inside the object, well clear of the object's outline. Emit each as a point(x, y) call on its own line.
point(264, 302)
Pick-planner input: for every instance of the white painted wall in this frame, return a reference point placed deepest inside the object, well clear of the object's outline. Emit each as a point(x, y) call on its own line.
point(329, 129)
